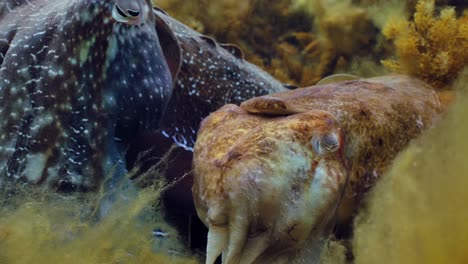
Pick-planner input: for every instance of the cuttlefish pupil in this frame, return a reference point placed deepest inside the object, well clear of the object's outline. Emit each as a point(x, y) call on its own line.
point(129, 15)
point(120, 11)
point(325, 144)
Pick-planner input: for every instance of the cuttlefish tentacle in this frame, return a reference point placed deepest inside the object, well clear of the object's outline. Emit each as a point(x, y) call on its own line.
point(218, 237)
point(238, 230)
point(255, 247)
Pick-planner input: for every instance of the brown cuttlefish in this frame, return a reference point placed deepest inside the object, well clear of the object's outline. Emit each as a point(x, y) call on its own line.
point(274, 176)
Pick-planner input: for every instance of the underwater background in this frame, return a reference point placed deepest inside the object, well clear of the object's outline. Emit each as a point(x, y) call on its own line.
point(416, 214)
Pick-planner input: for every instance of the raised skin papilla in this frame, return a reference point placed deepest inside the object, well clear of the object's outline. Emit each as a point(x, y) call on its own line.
point(79, 79)
point(273, 175)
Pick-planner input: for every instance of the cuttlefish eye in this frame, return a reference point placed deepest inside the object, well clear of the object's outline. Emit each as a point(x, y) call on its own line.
point(326, 144)
point(127, 11)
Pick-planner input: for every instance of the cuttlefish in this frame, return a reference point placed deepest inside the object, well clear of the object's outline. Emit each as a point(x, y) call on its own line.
point(274, 175)
point(79, 79)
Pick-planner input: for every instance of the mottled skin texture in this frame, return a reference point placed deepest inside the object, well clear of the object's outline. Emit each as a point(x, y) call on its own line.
point(79, 79)
point(272, 175)
point(210, 76)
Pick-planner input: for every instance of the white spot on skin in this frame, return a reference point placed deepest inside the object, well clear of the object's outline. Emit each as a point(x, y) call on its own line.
point(40, 122)
point(86, 16)
point(8, 148)
point(52, 172)
point(35, 164)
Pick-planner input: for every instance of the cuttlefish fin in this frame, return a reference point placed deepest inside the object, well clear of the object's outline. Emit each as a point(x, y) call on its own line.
point(290, 86)
point(339, 77)
point(159, 9)
point(269, 105)
point(209, 40)
point(234, 50)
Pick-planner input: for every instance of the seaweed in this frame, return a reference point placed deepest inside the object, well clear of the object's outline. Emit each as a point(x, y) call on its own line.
point(302, 41)
point(431, 47)
point(55, 230)
point(39, 226)
point(271, 34)
point(298, 42)
point(206, 16)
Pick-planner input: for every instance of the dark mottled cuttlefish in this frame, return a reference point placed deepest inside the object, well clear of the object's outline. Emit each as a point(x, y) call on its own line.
point(272, 175)
point(78, 80)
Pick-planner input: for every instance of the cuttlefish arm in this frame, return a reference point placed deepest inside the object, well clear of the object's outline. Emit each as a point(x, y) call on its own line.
point(272, 175)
